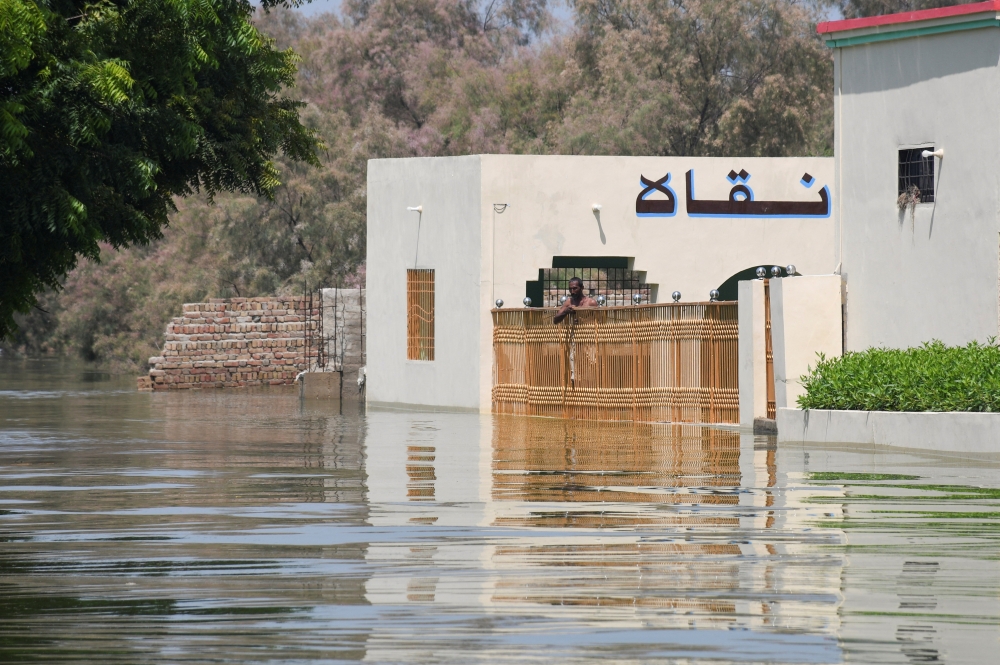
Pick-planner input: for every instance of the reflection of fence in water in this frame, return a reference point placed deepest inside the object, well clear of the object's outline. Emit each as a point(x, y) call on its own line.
point(558, 460)
point(668, 362)
point(539, 464)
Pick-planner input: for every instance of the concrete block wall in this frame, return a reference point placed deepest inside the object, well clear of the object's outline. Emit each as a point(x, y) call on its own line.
point(344, 331)
point(233, 343)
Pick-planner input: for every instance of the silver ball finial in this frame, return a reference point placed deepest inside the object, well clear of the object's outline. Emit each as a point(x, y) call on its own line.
point(790, 270)
point(527, 301)
point(713, 295)
point(761, 272)
point(602, 300)
point(676, 295)
point(636, 298)
point(499, 303)
point(775, 271)
point(563, 299)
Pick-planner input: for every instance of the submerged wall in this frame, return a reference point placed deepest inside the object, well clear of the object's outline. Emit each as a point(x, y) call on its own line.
point(234, 342)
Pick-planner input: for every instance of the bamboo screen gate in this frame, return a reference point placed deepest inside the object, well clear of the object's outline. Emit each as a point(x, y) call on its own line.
point(654, 363)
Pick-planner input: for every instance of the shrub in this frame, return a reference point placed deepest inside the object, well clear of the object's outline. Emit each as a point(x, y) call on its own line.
point(931, 377)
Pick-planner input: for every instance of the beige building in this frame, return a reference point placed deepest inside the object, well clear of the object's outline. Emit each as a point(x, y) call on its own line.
point(459, 233)
point(906, 84)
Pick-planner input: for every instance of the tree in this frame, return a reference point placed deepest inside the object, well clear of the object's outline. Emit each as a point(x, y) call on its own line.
point(699, 77)
point(861, 8)
point(402, 78)
point(110, 109)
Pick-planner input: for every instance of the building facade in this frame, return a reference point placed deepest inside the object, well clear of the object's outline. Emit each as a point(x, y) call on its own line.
point(449, 236)
point(917, 236)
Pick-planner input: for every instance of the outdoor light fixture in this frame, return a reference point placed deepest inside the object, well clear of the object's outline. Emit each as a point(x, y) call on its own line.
point(636, 298)
point(596, 207)
point(419, 209)
point(939, 153)
point(761, 272)
point(790, 269)
point(676, 295)
point(499, 303)
point(713, 295)
point(601, 300)
point(526, 301)
point(775, 271)
point(562, 299)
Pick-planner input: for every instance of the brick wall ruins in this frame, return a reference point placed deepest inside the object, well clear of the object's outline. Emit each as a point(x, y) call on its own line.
point(259, 341)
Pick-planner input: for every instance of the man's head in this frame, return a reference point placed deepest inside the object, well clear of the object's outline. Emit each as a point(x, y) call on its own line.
point(575, 287)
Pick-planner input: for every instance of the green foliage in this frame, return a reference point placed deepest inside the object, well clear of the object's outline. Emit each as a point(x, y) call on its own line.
point(932, 377)
point(404, 78)
point(110, 109)
point(861, 8)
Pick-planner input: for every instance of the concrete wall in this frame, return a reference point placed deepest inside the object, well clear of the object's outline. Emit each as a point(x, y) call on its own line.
point(752, 352)
point(962, 433)
point(484, 251)
point(445, 237)
point(344, 331)
point(805, 321)
point(934, 276)
point(551, 214)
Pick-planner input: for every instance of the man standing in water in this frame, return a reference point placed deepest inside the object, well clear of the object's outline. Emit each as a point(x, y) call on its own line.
point(576, 300)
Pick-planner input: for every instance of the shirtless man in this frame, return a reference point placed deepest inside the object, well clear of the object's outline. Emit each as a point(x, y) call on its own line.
point(576, 300)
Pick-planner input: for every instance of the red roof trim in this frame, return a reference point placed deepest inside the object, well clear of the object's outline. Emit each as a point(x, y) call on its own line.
point(907, 17)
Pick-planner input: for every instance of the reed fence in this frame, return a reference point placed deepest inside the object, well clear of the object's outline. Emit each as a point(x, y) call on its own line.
point(653, 363)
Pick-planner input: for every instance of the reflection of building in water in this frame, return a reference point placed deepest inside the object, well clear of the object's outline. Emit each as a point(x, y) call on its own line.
point(692, 527)
point(637, 525)
point(420, 472)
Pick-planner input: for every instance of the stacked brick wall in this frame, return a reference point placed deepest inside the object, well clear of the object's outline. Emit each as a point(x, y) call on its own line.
point(234, 342)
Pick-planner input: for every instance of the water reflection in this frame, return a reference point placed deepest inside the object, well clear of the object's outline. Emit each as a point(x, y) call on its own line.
point(679, 530)
point(249, 526)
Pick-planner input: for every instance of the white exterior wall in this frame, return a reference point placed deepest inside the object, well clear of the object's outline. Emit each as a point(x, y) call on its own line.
point(934, 277)
point(551, 214)
point(805, 321)
point(752, 352)
point(449, 242)
point(482, 255)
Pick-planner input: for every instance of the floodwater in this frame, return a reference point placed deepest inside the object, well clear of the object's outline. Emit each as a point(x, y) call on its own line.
point(247, 526)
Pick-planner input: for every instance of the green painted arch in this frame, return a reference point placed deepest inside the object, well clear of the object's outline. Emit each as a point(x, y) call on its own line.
point(730, 289)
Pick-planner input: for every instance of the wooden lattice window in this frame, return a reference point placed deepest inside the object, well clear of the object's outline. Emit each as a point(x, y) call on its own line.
point(420, 314)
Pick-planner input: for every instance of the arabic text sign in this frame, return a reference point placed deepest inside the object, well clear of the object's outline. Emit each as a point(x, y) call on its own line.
point(741, 201)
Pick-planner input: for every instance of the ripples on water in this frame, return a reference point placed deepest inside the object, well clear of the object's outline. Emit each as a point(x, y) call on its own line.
point(247, 526)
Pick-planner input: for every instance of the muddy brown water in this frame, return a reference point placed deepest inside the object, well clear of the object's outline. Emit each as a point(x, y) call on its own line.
point(247, 526)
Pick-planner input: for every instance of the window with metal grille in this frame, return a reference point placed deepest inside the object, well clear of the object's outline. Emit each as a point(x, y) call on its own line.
point(420, 314)
point(617, 284)
point(916, 174)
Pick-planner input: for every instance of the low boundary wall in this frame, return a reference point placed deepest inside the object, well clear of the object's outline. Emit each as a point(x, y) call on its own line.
point(234, 342)
point(962, 432)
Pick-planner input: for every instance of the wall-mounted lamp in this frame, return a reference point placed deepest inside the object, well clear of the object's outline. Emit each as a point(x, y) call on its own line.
point(939, 153)
point(419, 209)
point(596, 207)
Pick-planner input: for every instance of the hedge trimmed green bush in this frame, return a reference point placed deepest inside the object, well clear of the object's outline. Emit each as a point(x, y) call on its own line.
point(932, 377)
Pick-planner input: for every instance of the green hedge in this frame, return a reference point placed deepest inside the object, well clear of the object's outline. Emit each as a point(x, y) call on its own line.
point(932, 377)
